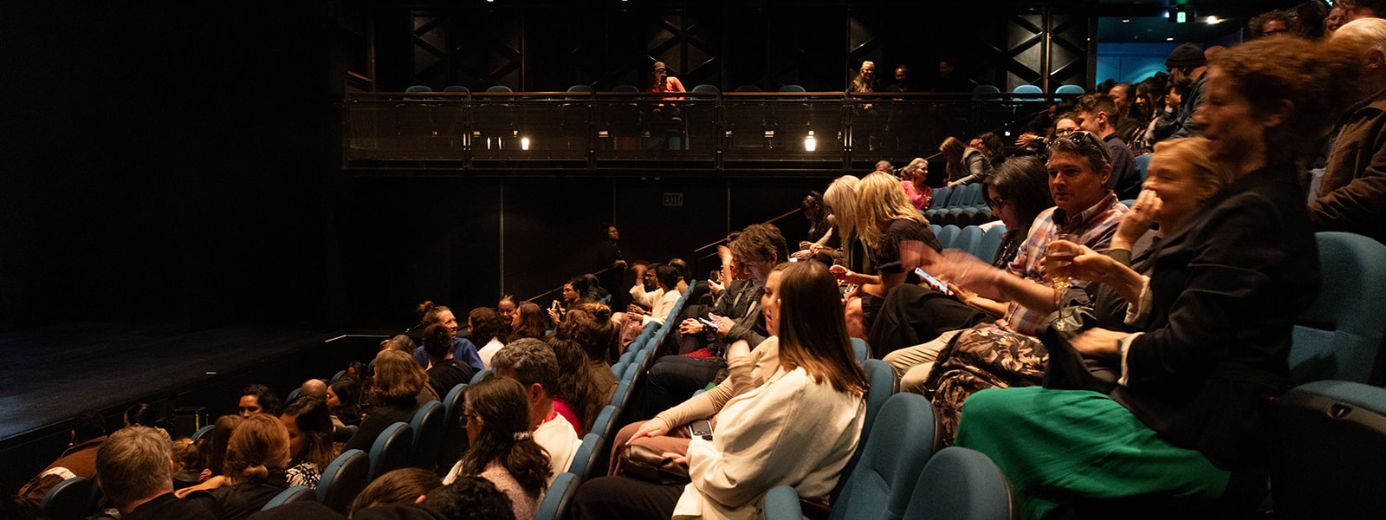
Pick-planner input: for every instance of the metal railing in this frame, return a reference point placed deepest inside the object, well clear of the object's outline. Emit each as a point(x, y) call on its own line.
point(609, 130)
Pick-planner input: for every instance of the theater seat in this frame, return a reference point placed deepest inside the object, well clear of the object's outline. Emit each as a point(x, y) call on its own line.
point(1072, 90)
point(940, 199)
point(68, 500)
point(197, 435)
point(392, 450)
point(454, 431)
point(860, 350)
point(481, 375)
point(343, 479)
point(557, 498)
point(586, 456)
point(293, 494)
point(427, 425)
point(949, 236)
point(882, 380)
point(705, 89)
point(969, 239)
point(961, 484)
point(1339, 337)
point(880, 485)
point(1327, 450)
point(1143, 165)
point(605, 421)
point(986, 92)
point(991, 242)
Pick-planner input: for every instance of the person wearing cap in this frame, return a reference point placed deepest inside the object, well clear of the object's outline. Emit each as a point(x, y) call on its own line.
point(1186, 62)
point(663, 82)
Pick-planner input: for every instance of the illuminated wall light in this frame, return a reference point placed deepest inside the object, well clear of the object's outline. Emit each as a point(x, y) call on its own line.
point(1212, 20)
point(810, 143)
point(524, 143)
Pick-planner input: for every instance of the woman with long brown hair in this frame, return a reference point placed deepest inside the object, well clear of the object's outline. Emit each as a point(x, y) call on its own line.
point(760, 440)
point(501, 447)
point(528, 322)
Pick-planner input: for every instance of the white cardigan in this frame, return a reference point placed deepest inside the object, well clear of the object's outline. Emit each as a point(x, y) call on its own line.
point(790, 431)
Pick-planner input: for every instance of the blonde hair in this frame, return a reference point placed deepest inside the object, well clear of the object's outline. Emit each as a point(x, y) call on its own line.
point(881, 199)
point(1192, 152)
point(1370, 32)
point(841, 198)
point(133, 463)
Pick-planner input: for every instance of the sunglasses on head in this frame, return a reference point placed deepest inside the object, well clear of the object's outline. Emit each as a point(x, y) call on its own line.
point(1085, 142)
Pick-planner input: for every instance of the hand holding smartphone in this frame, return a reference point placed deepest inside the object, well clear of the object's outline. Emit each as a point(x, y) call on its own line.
point(933, 282)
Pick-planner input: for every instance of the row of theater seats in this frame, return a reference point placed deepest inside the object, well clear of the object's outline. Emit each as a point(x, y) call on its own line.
point(981, 241)
point(961, 205)
point(587, 89)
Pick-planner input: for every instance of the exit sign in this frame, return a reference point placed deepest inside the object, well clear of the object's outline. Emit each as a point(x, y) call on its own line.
point(673, 200)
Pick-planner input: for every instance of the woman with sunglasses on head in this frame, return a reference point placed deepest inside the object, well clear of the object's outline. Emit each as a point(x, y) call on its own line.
point(798, 428)
point(1218, 309)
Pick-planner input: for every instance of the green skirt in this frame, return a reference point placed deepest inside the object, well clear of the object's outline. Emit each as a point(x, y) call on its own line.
point(1062, 446)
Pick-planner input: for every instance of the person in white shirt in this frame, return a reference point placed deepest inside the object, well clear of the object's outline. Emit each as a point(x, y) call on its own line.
point(534, 365)
point(799, 428)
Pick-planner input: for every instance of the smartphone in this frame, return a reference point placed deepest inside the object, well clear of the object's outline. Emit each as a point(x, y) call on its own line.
point(707, 322)
point(937, 285)
point(700, 428)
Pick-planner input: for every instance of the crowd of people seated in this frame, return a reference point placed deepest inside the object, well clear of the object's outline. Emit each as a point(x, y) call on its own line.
point(1116, 352)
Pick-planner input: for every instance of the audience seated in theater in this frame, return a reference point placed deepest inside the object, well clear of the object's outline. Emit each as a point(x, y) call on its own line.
point(444, 371)
point(991, 146)
point(894, 235)
point(737, 316)
point(842, 242)
point(471, 498)
point(487, 329)
point(259, 399)
point(865, 81)
point(501, 447)
point(577, 389)
point(760, 440)
point(506, 308)
point(963, 163)
point(914, 179)
point(1078, 172)
point(1034, 144)
point(916, 313)
point(1182, 177)
point(533, 364)
point(343, 400)
point(310, 440)
point(132, 467)
point(462, 349)
point(398, 381)
point(663, 298)
point(256, 460)
point(188, 462)
point(746, 369)
point(574, 291)
point(78, 460)
point(1352, 196)
point(1099, 115)
point(815, 212)
point(528, 321)
point(596, 337)
point(1127, 119)
point(1219, 306)
point(407, 486)
point(313, 388)
point(1185, 63)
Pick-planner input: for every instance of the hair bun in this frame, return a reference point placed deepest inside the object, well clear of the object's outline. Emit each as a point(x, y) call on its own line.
point(255, 472)
point(424, 307)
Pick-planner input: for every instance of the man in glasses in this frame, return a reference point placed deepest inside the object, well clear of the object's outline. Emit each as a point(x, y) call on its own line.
point(1099, 115)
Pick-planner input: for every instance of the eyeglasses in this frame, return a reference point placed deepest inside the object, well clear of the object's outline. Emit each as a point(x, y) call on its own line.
point(996, 203)
point(1085, 142)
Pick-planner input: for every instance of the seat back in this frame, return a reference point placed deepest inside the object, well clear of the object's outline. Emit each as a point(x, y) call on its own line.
point(707, 89)
point(427, 425)
point(1326, 455)
point(622, 389)
point(986, 92)
point(792, 88)
point(940, 199)
point(1029, 92)
point(1070, 90)
point(629, 89)
point(197, 435)
point(415, 89)
point(68, 500)
point(499, 89)
point(1340, 335)
point(457, 88)
point(343, 479)
point(605, 422)
point(1143, 165)
point(991, 242)
point(293, 494)
point(392, 449)
point(961, 484)
point(580, 89)
point(481, 375)
point(970, 240)
point(558, 496)
point(586, 457)
point(860, 350)
point(899, 444)
point(949, 235)
point(293, 394)
point(882, 380)
point(454, 431)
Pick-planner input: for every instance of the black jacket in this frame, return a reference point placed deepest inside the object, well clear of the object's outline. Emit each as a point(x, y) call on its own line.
point(1226, 290)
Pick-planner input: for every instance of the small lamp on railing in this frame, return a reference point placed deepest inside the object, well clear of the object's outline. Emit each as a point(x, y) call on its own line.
point(524, 143)
point(810, 143)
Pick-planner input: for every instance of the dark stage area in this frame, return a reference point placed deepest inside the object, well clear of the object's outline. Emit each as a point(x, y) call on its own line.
point(53, 373)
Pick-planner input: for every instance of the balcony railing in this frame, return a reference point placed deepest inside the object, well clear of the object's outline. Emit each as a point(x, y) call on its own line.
point(762, 131)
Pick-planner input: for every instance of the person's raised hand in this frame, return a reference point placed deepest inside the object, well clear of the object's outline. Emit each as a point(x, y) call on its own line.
point(1137, 221)
point(840, 272)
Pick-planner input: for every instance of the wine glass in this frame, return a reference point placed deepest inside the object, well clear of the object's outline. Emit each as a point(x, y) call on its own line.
point(1057, 259)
